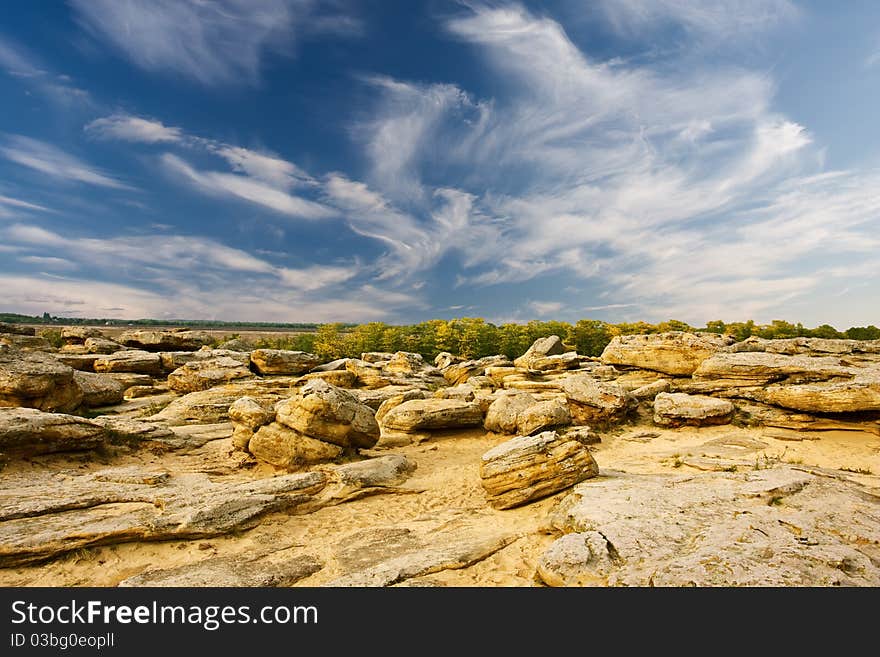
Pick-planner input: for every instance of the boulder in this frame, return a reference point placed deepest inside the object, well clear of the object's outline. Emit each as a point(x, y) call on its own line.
point(26, 342)
point(173, 340)
point(433, 414)
point(287, 448)
point(376, 356)
point(282, 361)
point(445, 359)
point(82, 362)
point(204, 374)
point(330, 414)
point(367, 374)
point(249, 412)
point(16, 329)
point(651, 390)
point(542, 347)
point(129, 379)
point(860, 394)
point(36, 380)
point(236, 344)
point(79, 334)
point(760, 368)
point(543, 415)
point(596, 402)
point(503, 413)
point(338, 378)
point(28, 432)
point(578, 559)
point(675, 409)
point(99, 345)
point(406, 363)
point(559, 363)
point(98, 389)
point(528, 468)
point(130, 361)
point(206, 406)
point(676, 353)
point(333, 366)
point(460, 372)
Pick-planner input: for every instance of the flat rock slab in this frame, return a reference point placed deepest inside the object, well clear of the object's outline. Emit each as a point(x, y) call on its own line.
point(772, 527)
point(675, 409)
point(432, 414)
point(268, 570)
point(28, 432)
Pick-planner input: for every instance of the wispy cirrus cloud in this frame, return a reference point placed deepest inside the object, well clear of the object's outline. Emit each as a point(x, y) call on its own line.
point(220, 42)
point(52, 161)
point(126, 127)
point(20, 62)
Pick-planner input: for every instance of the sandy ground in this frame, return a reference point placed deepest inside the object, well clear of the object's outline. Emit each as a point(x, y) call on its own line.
point(444, 490)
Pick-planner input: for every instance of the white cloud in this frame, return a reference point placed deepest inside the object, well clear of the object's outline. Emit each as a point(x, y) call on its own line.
point(133, 128)
point(9, 206)
point(48, 262)
point(315, 277)
point(544, 308)
point(19, 62)
point(246, 188)
point(270, 169)
point(51, 160)
point(218, 42)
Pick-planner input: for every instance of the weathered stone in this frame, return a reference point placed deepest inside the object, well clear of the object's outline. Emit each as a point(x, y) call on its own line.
point(500, 374)
point(332, 366)
point(542, 347)
point(173, 340)
point(238, 571)
point(236, 344)
point(460, 372)
point(16, 329)
point(651, 390)
point(338, 378)
point(433, 414)
point(99, 345)
point(81, 362)
point(390, 470)
point(138, 391)
point(79, 334)
point(241, 438)
point(503, 414)
point(583, 435)
point(445, 359)
point(206, 406)
point(675, 409)
point(98, 389)
point(28, 432)
point(130, 361)
point(287, 448)
point(780, 526)
point(405, 362)
point(558, 363)
point(376, 356)
point(543, 415)
point(26, 342)
point(367, 374)
point(281, 361)
point(759, 368)
point(204, 374)
point(376, 397)
point(596, 402)
point(676, 353)
point(462, 392)
point(135, 433)
point(527, 468)
point(859, 394)
point(36, 380)
point(249, 412)
point(581, 559)
point(330, 414)
point(808, 346)
point(129, 379)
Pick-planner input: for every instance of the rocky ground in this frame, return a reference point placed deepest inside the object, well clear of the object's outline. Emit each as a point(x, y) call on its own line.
point(673, 459)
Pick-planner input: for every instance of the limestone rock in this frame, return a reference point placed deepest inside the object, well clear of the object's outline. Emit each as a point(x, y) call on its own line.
point(98, 389)
point(281, 361)
point(596, 402)
point(674, 409)
point(129, 379)
point(862, 393)
point(81, 362)
point(583, 435)
point(333, 366)
point(204, 374)
point(759, 368)
point(542, 347)
point(651, 390)
point(130, 361)
point(206, 406)
point(374, 398)
point(249, 412)
point(543, 415)
point(26, 342)
point(238, 571)
point(79, 334)
point(99, 345)
point(558, 363)
point(173, 340)
point(376, 356)
point(287, 448)
point(580, 559)
point(390, 470)
point(527, 468)
point(367, 374)
point(433, 414)
point(405, 362)
point(779, 526)
point(36, 380)
point(445, 359)
point(330, 414)
point(460, 372)
point(28, 432)
point(676, 352)
point(339, 378)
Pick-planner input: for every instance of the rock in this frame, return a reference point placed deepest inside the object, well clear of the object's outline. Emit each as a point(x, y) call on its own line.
point(499, 374)
point(173, 340)
point(36, 380)
point(238, 571)
point(808, 346)
point(433, 414)
point(333, 366)
point(382, 471)
point(445, 359)
point(129, 379)
point(249, 412)
point(581, 559)
point(81, 362)
point(376, 397)
point(206, 406)
point(136, 392)
point(584, 435)
point(236, 344)
point(204, 374)
point(99, 345)
point(28, 432)
point(596, 402)
point(390, 437)
point(756, 414)
point(542, 347)
point(287, 448)
point(527, 468)
point(79, 334)
point(16, 329)
point(281, 361)
point(462, 392)
point(503, 414)
point(338, 378)
point(543, 415)
point(676, 352)
point(559, 363)
point(779, 526)
point(758, 368)
point(130, 361)
point(376, 356)
point(26, 342)
point(330, 414)
point(98, 389)
point(675, 409)
point(405, 362)
point(43, 517)
point(367, 374)
point(651, 390)
point(860, 394)
point(134, 433)
point(460, 372)
point(171, 360)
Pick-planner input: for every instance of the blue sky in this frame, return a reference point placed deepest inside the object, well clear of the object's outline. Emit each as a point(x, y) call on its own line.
point(297, 161)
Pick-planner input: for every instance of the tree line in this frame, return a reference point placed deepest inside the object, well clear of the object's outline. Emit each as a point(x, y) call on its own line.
point(474, 337)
